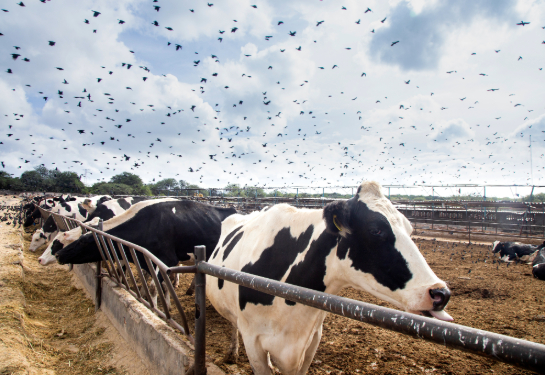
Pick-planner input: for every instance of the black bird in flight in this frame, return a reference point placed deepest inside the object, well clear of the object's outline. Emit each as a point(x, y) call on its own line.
point(319, 23)
point(522, 23)
point(15, 56)
point(292, 33)
point(383, 20)
point(51, 43)
point(280, 22)
point(156, 7)
point(178, 47)
point(155, 23)
point(358, 21)
point(368, 10)
point(95, 13)
point(394, 43)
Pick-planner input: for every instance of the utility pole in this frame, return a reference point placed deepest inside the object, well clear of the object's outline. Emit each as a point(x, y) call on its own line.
point(531, 164)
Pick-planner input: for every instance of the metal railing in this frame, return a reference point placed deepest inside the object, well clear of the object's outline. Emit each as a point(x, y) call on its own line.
point(117, 254)
point(514, 351)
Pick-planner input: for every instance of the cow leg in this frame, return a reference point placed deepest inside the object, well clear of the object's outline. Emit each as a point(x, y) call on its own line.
point(257, 356)
point(191, 289)
point(175, 279)
point(311, 351)
point(231, 356)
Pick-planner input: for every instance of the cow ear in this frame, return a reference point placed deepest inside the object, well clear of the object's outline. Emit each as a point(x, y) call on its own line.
point(336, 216)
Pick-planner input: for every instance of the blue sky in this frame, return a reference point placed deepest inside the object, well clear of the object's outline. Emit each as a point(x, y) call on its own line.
point(334, 104)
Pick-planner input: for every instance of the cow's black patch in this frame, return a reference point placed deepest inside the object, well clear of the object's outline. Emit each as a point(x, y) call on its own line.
point(342, 250)
point(66, 206)
point(56, 246)
point(220, 283)
point(49, 225)
point(273, 264)
point(215, 252)
point(82, 211)
point(310, 273)
point(231, 245)
point(371, 247)
point(124, 204)
point(229, 236)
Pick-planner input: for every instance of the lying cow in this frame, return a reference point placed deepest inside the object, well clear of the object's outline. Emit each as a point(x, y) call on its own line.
point(363, 242)
point(538, 265)
point(515, 251)
point(104, 211)
point(168, 228)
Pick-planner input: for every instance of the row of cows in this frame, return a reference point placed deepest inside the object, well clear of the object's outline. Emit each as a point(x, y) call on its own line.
point(363, 242)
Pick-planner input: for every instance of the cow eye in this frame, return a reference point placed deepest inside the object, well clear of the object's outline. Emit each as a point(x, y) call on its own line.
point(376, 232)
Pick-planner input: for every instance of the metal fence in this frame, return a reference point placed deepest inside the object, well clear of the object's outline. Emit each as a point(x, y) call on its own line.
point(518, 352)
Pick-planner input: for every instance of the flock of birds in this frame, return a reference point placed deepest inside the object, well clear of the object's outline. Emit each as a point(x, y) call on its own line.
point(293, 145)
point(11, 214)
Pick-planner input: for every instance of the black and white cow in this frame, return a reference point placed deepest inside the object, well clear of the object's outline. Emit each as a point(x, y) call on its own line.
point(90, 204)
point(105, 211)
point(168, 228)
point(49, 229)
point(515, 251)
point(46, 204)
point(363, 242)
point(109, 209)
point(538, 265)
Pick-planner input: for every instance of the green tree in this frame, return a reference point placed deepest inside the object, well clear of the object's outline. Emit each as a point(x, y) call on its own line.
point(127, 178)
point(68, 182)
point(5, 180)
point(166, 186)
point(111, 189)
point(32, 181)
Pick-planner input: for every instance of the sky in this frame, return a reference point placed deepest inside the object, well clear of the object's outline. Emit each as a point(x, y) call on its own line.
point(276, 93)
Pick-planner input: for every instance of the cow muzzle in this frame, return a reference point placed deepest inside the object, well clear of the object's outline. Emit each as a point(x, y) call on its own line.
point(440, 298)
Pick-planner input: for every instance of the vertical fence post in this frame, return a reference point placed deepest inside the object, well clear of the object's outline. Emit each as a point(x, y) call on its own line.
point(98, 289)
point(200, 314)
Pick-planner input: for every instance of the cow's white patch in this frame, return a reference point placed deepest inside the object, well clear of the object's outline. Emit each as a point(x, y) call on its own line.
point(131, 212)
point(173, 210)
point(494, 246)
point(38, 239)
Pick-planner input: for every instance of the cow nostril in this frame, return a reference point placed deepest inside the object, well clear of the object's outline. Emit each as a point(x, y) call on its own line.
point(440, 298)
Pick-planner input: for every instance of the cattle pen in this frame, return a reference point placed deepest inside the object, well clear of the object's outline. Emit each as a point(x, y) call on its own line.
point(115, 266)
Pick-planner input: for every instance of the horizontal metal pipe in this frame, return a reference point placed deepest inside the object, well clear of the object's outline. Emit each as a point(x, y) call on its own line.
point(518, 352)
point(182, 269)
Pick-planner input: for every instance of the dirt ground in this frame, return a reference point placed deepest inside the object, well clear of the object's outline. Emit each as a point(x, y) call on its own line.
point(498, 298)
point(48, 325)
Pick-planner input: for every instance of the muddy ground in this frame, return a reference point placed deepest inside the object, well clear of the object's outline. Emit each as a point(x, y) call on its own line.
point(47, 324)
point(498, 298)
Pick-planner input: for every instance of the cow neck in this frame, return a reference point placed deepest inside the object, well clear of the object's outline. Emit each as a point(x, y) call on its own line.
point(335, 278)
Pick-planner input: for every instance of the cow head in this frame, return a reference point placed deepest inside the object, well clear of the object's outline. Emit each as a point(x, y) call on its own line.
point(59, 242)
point(378, 255)
point(497, 246)
point(539, 271)
point(88, 205)
point(36, 214)
point(83, 250)
point(38, 239)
